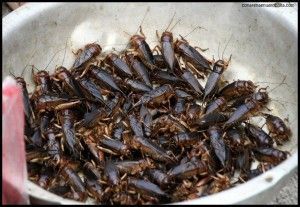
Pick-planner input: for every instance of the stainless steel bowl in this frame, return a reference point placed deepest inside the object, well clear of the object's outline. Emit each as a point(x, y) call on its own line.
point(263, 45)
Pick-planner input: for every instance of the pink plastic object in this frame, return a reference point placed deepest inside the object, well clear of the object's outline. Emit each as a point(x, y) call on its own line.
point(13, 147)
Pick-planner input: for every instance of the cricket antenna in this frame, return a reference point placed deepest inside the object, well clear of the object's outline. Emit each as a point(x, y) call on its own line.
point(127, 34)
point(229, 60)
point(219, 50)
point(198, 27)
point(28, 61)
point(282, 82)
point(24, 70)
point(226, 45)
point(113, 44)
point(12, 74)
point(65, 52)
point(33, 67)
point(175, 24)
point(170, 21)
point(148, 8)
point(273, 83)
point(53, 58)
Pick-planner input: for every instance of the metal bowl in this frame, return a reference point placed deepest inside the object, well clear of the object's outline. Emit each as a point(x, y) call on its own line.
point(263, 45)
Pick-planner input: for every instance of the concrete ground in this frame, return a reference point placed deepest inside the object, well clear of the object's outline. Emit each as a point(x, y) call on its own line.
point(287, 195)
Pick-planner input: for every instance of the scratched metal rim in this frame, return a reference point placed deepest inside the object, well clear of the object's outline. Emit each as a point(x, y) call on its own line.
point(253, 191)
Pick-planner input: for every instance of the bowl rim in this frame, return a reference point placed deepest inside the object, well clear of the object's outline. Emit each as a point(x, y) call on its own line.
point(230, 196)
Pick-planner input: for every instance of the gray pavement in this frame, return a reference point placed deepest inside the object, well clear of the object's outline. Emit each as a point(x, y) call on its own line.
point(289, 193)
